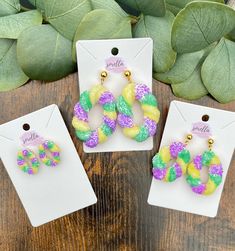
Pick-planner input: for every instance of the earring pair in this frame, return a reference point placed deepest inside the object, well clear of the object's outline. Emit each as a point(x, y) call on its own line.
point(49, 154)
point(183, 165)
point(116, 112)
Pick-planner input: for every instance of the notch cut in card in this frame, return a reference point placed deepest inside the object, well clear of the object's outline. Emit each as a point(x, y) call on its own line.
point(116, 56)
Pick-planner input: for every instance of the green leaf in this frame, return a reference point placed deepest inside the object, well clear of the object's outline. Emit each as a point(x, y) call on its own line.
point(176, 5)
point(112, 5)
point(65, 17)
point(11, 26)
point(9, 7)
point(11, 75)
point(44, 54)
point(192, 88)
point(107, 26)
point(184, 66)
point(148, 7)
point(159, 29)
point(231, 35)
point(218, 71)
point(200, 24)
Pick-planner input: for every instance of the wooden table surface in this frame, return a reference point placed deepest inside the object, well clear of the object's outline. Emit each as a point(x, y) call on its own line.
point(122, 219)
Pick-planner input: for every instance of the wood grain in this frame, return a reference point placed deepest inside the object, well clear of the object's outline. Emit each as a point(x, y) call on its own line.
point(122, 219)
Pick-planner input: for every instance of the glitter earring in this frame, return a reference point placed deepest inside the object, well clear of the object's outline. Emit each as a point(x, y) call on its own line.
point(27, 161)
point(49, 153)
point(98, 94)
point(137, 92)
point(210, 160)
point(176, 151)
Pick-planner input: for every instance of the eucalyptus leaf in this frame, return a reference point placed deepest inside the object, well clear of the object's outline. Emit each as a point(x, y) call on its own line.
point(107, 26)
point(192, 88)
point(44, 54)
point(11, 75)
point(148, 7)
point(176, 5)
point(184, 66)
point(11, 26)
point(218, 71)
point(9, 7)
point(200, 24)
point(159, 29)
point(111, 5)
point(39, 4)
point(66, 16)
point(232, 35)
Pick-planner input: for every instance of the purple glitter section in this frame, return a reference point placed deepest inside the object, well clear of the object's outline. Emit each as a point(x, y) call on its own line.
point(55, 154)
point(42, 155)
point(20, 162)
point(175, 148)
point(106, 97)
point(198, 162)
point(45, 144)
point(159, 174)
point(125, 121)
point(151, 125)
point(93, 140)
point(30, 171)
point(109, 122)
point(53, 164)
point(25, 152)
point(199, 189)
point(80, 113)
point(178, 170)
point(141, 90)
point(34, 160)
point(216, 169)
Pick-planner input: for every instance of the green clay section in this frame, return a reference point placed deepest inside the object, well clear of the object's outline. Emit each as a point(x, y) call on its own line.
point(106, 130)
point(215, 178)
point(110, 107)
point(48, 162)
point(193, 182)
point(19, 157)
point(142, 135)
point(41, 151)
point(123, 107)
point(83, 136)
point(185, 156)
point(85, 101)
point(207, 157)
point(172, 174)
point(158, 162)
point(50, 144)
point(149, 100)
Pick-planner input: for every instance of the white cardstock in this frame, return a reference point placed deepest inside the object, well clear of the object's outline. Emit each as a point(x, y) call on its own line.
point(94, 56)
point(52, 192)
point(178, 195)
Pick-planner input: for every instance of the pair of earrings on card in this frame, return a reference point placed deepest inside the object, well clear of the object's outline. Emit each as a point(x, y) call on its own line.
point(116, 111)
point(48, 153)
point(183, 165)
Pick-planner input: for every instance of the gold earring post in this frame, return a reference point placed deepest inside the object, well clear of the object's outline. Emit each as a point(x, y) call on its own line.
point(127, 74)
point(103, 76)
point(188, 138)
point(211, 143)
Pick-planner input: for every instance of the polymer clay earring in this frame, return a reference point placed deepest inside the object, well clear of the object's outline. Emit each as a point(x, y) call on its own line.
point(137, 92)
point(210, 160)
point(27, 161)
point(176, 152)
point(49, 153)
point(98, 94)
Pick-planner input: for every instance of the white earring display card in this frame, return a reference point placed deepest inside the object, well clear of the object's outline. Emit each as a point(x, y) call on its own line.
point(115, 56)
point(184, 118)
point(53, 192)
